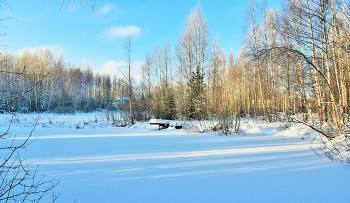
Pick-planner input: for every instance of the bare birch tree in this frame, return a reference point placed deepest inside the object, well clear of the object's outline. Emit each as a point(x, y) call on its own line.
point(193, 53)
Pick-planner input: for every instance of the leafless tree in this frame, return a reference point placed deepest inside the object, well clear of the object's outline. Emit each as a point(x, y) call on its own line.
point(84, 4)
point(192, 51)
point(128, 77)
point(20, 180)
point(310, 54)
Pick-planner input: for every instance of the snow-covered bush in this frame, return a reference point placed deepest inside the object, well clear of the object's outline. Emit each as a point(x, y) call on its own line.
point(221, 125)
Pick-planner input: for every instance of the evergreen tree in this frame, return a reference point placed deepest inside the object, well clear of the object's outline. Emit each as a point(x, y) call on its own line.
point(196, 97)
point(171, 112)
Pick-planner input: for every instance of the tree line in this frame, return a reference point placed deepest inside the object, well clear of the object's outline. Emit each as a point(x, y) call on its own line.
point(294, 61)
point(59, 87)
point(299, 61)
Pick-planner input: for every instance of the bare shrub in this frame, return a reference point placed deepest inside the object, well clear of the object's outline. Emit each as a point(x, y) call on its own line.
point(222, 124)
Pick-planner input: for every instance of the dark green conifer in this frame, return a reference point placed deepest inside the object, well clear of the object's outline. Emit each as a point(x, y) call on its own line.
point(196, 99)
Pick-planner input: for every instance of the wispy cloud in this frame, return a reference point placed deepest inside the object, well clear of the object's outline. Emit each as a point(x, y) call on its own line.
point(112, 67)
point(54, 48)
point(105, 9)
point(121, 31)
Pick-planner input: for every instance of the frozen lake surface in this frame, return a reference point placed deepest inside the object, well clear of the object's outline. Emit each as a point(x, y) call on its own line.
point(100, 163)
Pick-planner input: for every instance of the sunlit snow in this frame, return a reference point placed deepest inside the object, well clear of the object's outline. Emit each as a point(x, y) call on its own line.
point(101, 163)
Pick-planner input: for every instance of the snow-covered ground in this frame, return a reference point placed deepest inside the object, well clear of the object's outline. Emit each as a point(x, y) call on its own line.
point(101, 163)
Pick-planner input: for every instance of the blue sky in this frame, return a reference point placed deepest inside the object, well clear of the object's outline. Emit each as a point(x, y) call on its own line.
point(77, 34)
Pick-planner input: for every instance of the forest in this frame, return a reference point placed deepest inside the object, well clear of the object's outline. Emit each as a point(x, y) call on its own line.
point(294, 61)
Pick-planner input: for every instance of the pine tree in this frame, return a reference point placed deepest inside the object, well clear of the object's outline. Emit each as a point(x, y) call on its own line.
point(196, 97)
point(171, 113)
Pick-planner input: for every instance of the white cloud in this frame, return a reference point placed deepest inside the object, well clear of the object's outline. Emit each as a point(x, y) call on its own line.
point(109, 20)
point(137, 70)
point(54, 48)
point(105, 9)
point(121, 31)
point(120, 68)
point(110, 67)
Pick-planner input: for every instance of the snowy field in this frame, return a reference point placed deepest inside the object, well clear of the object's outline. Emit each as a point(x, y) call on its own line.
point(101, 163)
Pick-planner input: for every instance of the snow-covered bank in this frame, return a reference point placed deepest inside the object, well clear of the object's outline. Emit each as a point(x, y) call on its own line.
point(99, 119)
point(143, 164)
